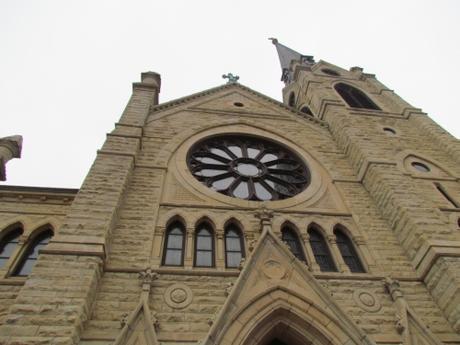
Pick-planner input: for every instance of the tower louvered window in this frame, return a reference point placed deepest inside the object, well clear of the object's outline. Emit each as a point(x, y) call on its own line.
point(174, 245)
point(321, 251)
point(31, 254)
point(348, 252)
point(355, 98)
point(292, 240)
point(8, 245)
point(233, 246)
point(204, 246)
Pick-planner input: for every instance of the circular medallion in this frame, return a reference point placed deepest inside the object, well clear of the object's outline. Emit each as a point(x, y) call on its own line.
point(366, 300)
point(273, 269)
point(247, 167)
point(178, 296)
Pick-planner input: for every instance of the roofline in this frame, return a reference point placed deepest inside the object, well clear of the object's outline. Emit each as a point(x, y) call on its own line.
point(216, 89)
point(41, 190)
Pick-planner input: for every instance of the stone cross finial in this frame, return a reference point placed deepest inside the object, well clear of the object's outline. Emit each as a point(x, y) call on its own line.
point(232, 79)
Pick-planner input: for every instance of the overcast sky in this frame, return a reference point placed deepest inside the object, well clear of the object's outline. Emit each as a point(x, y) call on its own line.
point(66, 67)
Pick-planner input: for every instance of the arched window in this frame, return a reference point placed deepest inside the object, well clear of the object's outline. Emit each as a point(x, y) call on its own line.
point(234, 248)
point(204, 246)
point(173, 254)
point(355, 98)
point(348, 252)
point(306, 110)
point(291, 100)
point(8, 244)
point(290, 237)
point(321, 251)
point(31, 254)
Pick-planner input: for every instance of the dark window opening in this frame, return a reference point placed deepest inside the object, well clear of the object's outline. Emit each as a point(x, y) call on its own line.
point(276, 341)
point(174, 245)
point(420, 167)
point(204, 246)
point(348, 252)
point(291, 99)
point(31, 254)
point(293, 242)
point(446, 195)
point(355, 98)
point(389, 130)
point(306, 110)
point(238, 104)
point(234, 246)
point(8, 245)
point(330, 72)
point(321, 251)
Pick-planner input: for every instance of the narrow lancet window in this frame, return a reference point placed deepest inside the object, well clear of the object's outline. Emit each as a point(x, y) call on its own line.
point(174, 245)
point(349, 254)
point(30, 256)
point(355, 98)
point(8, 245)
point(292, 240)
point(234, 249)
point(321, 251)
point(204, 246)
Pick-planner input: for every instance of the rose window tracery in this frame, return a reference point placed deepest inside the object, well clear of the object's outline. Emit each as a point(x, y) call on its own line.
point(248, 168)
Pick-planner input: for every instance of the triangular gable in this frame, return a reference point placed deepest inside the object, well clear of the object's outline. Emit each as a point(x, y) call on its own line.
point(229, 102)
point(139, 329)
point(256, 97)
point(139, 326)
point(273, 289)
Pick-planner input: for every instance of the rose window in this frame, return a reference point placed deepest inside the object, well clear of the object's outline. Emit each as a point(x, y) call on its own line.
point(248, 168)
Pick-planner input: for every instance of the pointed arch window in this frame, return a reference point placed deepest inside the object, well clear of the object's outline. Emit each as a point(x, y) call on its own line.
point(349, 254)
point(204, 246)
point(234, 247)
point(8, 245)
point(291, 99)
point(30, 256)
point(306, 110)
point(290, 237)
point(321, 251)
point(354, 97)
point(174, 245)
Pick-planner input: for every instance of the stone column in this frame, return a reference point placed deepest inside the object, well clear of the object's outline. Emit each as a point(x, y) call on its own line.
point(189, 246)
point(337, 256)
point(314, 267)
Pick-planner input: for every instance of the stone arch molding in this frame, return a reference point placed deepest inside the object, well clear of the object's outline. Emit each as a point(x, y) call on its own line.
point(276, 296)
point(177, 152)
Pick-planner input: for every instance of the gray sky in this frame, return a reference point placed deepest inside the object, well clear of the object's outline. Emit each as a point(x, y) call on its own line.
point(67, 66)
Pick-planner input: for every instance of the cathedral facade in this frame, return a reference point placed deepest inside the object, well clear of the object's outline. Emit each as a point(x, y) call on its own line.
point(227, 217)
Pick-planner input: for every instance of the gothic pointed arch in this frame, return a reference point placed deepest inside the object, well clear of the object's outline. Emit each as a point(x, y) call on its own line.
point(321, 250)
point(354, 97)
point(234, 244)
point(275, 292)
point(204, 245)
point(174, 243)
point(347, 250)
point(9, 241)
point(38, 240)
point(290, 236)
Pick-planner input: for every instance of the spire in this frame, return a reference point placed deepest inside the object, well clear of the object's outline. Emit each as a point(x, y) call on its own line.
point(286, 56)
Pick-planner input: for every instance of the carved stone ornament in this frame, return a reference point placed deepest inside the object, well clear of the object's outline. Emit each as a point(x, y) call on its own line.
point(242, 263)
point(147, 276)
point(367, 301)
point(178, 296)
point(251, 245)
point(124, 319)
point(273, 270)
point(228, 288)
point(393, 288)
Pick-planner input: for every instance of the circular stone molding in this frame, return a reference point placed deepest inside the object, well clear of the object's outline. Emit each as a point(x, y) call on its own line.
point(273, 270)
point(178, 296)
point(366, 300)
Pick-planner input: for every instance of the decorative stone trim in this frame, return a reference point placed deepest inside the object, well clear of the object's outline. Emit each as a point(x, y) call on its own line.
point(178, 296)
point(367, 300)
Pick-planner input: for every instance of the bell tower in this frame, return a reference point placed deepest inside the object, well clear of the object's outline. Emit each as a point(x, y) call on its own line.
point(405, 161)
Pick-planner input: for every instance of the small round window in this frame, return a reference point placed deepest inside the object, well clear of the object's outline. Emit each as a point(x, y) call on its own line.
point(420, 167)
point(248, 168)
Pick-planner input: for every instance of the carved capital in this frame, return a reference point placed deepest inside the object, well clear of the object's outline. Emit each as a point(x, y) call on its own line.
point(265, 215)
point(393, 288)
point(148, 276)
